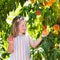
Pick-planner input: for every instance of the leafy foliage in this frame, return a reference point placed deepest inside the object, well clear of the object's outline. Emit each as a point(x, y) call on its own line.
point(6, 6)
point(41, 14)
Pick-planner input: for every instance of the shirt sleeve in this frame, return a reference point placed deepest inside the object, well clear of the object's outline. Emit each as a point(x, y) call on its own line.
point(31, 40)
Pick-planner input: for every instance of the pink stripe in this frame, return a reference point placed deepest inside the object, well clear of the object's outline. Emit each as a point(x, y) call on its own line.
point(21, 53)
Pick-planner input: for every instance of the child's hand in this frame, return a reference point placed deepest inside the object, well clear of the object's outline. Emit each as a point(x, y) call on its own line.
point(10, 48)
point(45, 33)
point(10, 44)
point(10, 38)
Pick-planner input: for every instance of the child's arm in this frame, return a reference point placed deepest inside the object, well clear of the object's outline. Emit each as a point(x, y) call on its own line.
point(10, 44)
point(34, 44)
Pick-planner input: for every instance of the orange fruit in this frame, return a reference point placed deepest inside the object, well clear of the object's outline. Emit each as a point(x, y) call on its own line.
point(38, 12)
point(44, 27)
point(32, 1)
point(52, 1)
point(56, 27)
point(49, 3)
point(45, 3)
point(45, 32)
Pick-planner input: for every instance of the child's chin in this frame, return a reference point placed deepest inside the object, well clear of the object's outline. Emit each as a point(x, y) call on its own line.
point(23, 32)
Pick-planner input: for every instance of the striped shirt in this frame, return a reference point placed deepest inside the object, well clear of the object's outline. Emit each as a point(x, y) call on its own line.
point(21, 48)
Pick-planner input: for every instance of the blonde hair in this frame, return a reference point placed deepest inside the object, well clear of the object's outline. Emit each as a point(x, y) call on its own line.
point(15, 23)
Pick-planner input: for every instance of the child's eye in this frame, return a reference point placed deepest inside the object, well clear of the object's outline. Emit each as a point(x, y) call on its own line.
point(24, 25)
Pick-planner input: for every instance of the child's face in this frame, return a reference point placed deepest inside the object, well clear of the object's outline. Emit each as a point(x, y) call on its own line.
point(22, 27)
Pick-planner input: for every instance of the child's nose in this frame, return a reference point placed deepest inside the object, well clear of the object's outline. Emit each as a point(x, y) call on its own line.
point(24, 27)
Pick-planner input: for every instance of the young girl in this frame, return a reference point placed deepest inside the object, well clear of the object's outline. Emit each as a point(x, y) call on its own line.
point(19, 42)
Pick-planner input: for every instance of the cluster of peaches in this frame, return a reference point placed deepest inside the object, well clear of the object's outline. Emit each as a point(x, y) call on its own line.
point(45, 3)
point(55, 28)
point(49, 3)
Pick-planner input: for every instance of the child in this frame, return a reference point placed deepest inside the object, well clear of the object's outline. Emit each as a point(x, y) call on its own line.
point(19, 43)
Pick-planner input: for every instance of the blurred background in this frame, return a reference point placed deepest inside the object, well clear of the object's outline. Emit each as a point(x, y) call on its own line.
point(40, 15)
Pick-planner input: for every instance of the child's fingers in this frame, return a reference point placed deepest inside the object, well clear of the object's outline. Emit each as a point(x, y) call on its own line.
point(44, 35)
point(10, 38)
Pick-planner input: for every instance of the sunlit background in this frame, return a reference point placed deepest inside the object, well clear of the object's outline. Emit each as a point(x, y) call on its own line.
point(40, 15)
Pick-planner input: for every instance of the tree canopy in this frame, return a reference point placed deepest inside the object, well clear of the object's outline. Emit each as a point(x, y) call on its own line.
point(41, 15)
